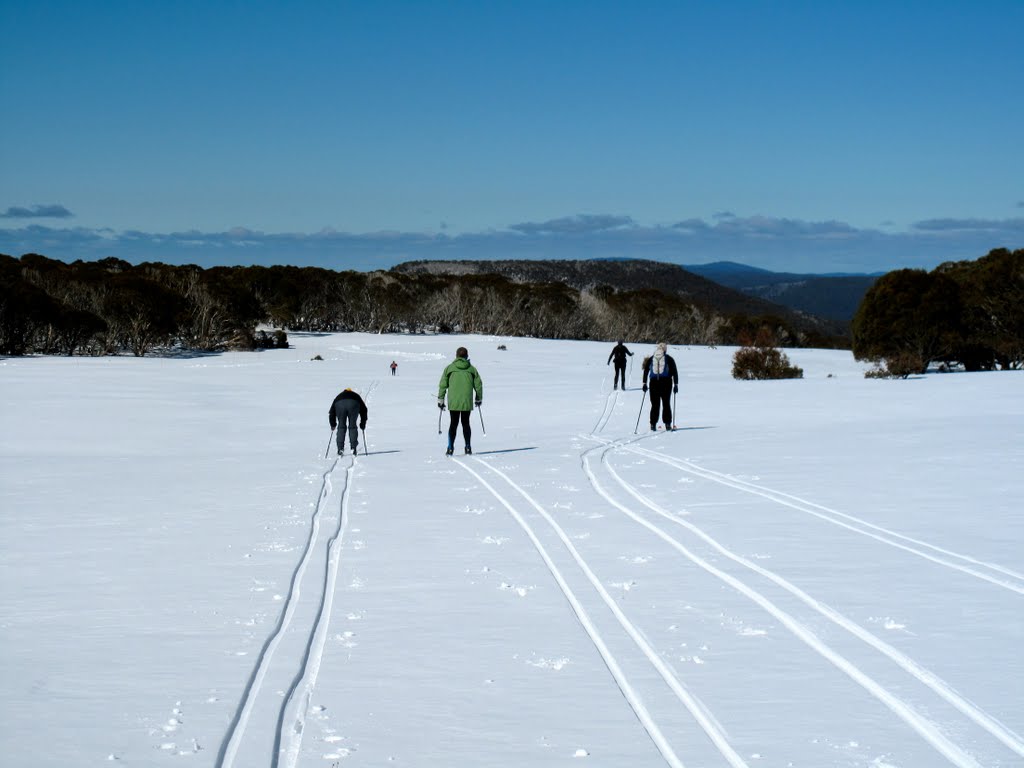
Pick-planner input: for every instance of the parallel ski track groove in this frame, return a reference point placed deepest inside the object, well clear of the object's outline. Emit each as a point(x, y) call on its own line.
point(1005, 735)
point(236, 729)
point(708, 725)
point(317, 636)
point(808, 507)
point(606, 412)
point(922, 725)
point(631, 696)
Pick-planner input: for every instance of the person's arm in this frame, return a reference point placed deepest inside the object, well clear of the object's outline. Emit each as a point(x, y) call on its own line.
point(478, 385)
point(442, 387)
point(610, 357)
point(331, 417)
point(363, 413)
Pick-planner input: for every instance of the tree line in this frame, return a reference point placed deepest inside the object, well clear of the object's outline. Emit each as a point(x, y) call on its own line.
point(969, 313)
point(113, 307)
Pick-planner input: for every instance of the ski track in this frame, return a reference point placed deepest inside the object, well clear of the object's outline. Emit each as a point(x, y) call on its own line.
point(239, 723)
point(924, 727)
point(1006, 736)
point(313, 656)
point(606, 412)
point(706, 722)
point(831, 515)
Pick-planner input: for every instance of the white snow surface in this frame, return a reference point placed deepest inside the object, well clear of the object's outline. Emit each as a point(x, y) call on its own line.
point(818, 572)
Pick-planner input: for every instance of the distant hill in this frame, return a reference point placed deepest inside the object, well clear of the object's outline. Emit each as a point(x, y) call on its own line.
point(834, 296)
point(631, 274)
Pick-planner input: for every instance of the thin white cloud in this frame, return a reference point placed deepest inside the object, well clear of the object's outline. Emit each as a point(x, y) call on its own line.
point(966, 225)
point(580, 223)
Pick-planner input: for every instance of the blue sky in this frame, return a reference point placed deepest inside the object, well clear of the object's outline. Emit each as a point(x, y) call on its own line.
point(801, 136)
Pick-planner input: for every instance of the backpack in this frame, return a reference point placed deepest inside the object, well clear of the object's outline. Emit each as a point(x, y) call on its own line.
point(666, 373)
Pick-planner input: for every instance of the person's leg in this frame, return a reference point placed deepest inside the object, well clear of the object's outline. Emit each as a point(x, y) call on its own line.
point(655, 401)
point(666, 407)
point(350, 423)
point(467, 432)
point(453, 427)
point(339, 414)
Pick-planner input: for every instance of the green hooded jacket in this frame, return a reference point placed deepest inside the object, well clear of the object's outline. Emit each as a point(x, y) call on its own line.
point(459, 380)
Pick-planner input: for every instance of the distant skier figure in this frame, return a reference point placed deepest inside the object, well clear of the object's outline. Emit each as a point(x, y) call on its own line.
point(660, 368)
point(460, 380)
point(344, 409)
point(619, 352)
point(394, 367)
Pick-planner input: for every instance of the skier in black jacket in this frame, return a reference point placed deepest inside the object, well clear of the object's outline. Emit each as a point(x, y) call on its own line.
point(344, 410)
point(619, 352)
point(661, 370)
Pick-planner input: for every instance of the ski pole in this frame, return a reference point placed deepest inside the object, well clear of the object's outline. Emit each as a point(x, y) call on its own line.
point(480, 413)
point(440, 412)
point(674, 393)
point(329, 443)
point(365, 452)
point(641, 412)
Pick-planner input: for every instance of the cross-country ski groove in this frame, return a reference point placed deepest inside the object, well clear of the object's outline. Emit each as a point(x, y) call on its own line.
point(606, 412)
point(314, 651)
point(253, 691)
point(1010, 739)
point(924, 727)
point(707, 723)
point(831, 516)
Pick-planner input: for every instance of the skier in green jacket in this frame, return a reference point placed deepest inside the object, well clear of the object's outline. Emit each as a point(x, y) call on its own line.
point(461, 381)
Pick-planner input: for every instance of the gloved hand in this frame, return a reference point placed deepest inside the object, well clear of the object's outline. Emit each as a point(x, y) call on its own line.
point(645, 387)
point(675, 390)
point(479, 402)
point(440, 403)
point(362, 425)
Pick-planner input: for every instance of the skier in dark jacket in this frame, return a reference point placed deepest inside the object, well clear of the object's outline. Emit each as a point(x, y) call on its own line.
point(619, 352)
point(344, 409)
point(661, 370)
point(461, 381)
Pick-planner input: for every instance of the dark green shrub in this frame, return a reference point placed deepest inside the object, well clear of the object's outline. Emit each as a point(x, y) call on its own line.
point(761, 359)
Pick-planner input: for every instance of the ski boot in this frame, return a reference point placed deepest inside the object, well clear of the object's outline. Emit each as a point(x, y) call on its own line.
point(449, 451)
point(469, 451)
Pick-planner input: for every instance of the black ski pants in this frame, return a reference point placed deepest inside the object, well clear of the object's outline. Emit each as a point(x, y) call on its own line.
point(620, 370)
point(347, 412)
point(661, 399)
point(453, 430)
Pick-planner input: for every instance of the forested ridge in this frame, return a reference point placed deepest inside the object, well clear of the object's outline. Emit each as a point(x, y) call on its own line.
point(964, 311)
point(113, 307)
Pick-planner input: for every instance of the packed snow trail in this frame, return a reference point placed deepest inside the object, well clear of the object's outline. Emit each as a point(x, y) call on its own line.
point(922, 725)
point(926, 677)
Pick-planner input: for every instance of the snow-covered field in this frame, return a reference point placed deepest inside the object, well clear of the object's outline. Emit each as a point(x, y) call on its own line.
point(815, 573)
